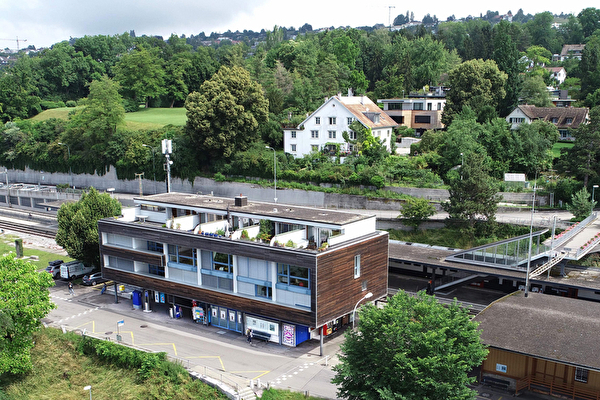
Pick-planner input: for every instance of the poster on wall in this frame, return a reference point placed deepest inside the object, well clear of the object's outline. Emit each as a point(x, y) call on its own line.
point(162, 298)
point(289, 335)
point(222, 314)
point(214, 312)
point(156, 297)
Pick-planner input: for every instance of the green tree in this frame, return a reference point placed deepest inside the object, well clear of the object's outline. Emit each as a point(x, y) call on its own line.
point(507, 57)
point(18, 93)
point(589, 18)
point(476, 83)
point(474, 197)
point(25, 300)
point(226, 114)
point(416, 210)
point(589, 67)
point(414, 348)
point(140, 74)
point(534, 92)
point(78, 224)
point(581, 160)
point(581, 204)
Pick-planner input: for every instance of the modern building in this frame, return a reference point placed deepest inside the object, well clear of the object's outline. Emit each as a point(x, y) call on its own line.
point(323, 129)
point(565, 118)
point(542, 342)
point(298, 277)
point(420, 112)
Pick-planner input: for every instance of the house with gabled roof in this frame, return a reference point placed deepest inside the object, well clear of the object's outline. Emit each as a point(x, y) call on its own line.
point(544, 343)
point(565, 118)
point(572, 50)
point(559, 74)
point(323, 129)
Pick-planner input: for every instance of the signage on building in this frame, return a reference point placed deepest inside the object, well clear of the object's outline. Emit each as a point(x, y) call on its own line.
point(289, 335)
point(501, 368)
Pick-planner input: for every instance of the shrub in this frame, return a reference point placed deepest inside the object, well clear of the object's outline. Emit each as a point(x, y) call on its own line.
point(131, 105)
point(48, 105)
point(244, 235)
point(219, 177)
point(71, 103)
point(290, 243)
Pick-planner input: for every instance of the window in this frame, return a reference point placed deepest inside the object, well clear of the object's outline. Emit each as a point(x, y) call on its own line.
point(429, 106)
point(439, 106)
point(314, 147)
point(357, 266)
point(157, 247)
point(148, 207)
point(569, 121)
point(394, 106)
point(516, 120)
point(156, 270)
point(364, 285)
point(332, 120)
point(389, 132)
point(350, 120)
point(314, 134)
point(263, 291)
point(293, 276)
point(352, 135)
point(293, 134)
point(222, 262)
point(331, 134)
point(555, 120)
point(422, 119)
point(417, 106)
point(182, 255)
point(581, 374)
point(293, 148)
point(318, 120)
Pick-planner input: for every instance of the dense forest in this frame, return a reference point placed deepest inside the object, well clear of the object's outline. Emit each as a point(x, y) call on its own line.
point(240, 88)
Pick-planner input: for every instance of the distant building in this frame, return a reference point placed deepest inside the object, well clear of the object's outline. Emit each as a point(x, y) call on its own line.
point(572, 50)
point(420, 112)
point(559, 74)
point(565, 118)
point(323, 129)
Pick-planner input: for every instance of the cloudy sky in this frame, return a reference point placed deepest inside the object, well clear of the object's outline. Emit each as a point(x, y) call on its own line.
point(45, 22)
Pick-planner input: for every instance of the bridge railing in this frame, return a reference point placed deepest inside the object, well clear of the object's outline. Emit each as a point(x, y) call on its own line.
point(574, 230)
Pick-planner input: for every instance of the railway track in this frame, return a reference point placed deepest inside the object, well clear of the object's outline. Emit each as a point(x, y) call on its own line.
point(473, 308)
point(35, 230)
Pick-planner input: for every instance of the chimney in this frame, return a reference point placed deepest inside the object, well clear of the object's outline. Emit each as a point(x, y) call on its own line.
point(241, 201)
point(362, 99)
point(350, 94)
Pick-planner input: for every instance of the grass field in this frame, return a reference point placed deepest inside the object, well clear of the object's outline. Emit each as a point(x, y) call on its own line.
point(146, 118)
point(560, 145)
point(7, 244)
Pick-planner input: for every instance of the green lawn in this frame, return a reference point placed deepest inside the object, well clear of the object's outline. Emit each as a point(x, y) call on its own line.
point(560, 145)
point(146, 118)
point(7, 244)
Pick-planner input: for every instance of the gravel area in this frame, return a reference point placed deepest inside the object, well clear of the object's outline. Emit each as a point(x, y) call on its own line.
point(36, 242)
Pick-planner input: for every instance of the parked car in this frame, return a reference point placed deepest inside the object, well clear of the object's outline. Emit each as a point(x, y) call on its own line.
point(93, 279)
point(75, 269)
point(54, 268)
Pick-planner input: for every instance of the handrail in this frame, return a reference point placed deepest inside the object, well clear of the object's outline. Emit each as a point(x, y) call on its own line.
point(575, 230)
point(588, 246)
point(559, 388)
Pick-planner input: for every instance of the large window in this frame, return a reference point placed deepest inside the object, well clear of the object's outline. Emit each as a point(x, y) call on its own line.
point(357, 266)
point(293, 276)
point(422, 119)
point(156, 270)
point(222, 262)
point(417, 106)
point(154, 246)
point(182, 255)
point(394, 106)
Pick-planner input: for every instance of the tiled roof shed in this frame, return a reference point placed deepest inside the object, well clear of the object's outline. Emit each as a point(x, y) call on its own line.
point(549, 327)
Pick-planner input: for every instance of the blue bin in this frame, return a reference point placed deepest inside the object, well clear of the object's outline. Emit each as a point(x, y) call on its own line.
point(137, 300)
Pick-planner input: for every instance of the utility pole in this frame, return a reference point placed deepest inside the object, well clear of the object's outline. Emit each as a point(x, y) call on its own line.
point(167, 149)
point(140, 176)
point(390, 16)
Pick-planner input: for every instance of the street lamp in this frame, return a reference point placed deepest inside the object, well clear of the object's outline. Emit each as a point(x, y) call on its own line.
point(274, 169)
point(367, 296)
point(593, 189)
point(153, 170)
point(462, 163)
point(89, 387)
point(69, 161)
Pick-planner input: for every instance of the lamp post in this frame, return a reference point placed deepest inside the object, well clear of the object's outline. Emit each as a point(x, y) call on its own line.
point(593, 189)
point(69, 161)
point(367, 296)
point(153, 170)
point(274, 169)
point(462, 163)
point(89, 387)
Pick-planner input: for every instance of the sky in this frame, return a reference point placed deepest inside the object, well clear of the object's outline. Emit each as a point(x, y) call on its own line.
point(45, 22)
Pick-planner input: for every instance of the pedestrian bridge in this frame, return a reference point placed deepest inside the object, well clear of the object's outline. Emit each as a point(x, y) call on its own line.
point(572, 244)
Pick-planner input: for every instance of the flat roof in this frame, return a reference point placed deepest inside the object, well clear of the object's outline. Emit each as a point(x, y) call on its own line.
point(575, 277)
point(544, 326)
point(258, 208)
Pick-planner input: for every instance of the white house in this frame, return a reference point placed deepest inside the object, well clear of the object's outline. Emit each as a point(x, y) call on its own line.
point(564, 118)
point(324, 128)
point(559, 74)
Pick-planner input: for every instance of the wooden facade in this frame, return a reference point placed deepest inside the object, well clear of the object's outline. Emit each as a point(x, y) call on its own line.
point(526, 371)
point(334, 291)
point(338, 290)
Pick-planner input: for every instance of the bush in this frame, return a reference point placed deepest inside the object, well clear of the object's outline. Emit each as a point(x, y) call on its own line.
point(71, 103)
point(219, 177)
point(47, 105)
point(131, 105)
point(377, 181)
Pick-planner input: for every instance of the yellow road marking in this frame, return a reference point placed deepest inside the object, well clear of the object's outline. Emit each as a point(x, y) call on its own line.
point(256, 377)
point(218, 357)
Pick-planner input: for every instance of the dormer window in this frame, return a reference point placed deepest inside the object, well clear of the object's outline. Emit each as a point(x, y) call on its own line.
point(569, 121)
point(555, 120)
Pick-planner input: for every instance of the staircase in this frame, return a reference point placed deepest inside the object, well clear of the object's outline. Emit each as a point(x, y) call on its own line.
point(246, 394)
point(545, 267)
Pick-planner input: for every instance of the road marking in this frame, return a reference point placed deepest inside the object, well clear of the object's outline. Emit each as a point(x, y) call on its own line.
point(217, 357)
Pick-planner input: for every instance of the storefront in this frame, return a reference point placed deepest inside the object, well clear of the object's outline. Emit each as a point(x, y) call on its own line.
point(226, 318)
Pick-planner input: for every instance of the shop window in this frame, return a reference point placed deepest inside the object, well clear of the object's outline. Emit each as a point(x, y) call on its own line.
point(581, 374)
point(156, 270)
point(293, 276)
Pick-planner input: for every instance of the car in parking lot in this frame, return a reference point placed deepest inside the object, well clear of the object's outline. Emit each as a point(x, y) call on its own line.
point(93, 279)
point(54, 268)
